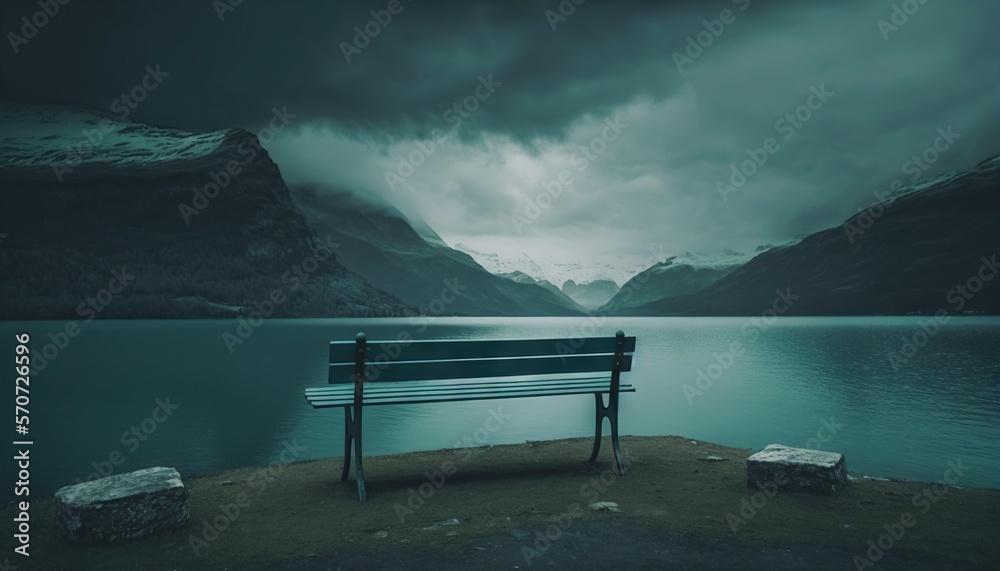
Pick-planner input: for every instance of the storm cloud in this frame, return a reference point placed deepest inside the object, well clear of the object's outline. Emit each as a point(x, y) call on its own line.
point(598, 128)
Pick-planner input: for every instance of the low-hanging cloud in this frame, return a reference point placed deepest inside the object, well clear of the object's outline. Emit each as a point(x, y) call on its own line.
point(656, 184)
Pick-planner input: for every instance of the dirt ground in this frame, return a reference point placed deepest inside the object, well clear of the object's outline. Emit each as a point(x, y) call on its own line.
point(616, 543)
point(683, 505)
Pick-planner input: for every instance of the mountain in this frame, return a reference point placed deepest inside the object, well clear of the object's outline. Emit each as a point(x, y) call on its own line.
point(111, 218)
point(408, 260)
point(928, 247)
point(590, 294)
point(523, 278)
point(673, 277)
point(557, 268)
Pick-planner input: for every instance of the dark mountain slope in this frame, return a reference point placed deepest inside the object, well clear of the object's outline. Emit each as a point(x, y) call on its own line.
point(907, 257)
point(381, 245)
point(203, 222)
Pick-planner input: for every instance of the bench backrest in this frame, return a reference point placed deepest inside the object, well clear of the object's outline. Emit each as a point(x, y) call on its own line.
point(388, 361)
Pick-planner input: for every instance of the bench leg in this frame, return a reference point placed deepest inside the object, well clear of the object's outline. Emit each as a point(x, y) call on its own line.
point(609, 411)
point(359, 469)
point(613, 417)
point(602, 411)
point(348, 440)
point(352, 435)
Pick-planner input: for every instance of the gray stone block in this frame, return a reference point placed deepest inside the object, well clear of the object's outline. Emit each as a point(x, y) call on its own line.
point(797, 469)
point(123, 507)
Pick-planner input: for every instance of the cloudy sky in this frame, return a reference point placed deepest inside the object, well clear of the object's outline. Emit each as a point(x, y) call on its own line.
point(491, 104)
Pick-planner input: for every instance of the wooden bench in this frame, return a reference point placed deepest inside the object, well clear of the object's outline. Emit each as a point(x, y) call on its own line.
point(364, 373)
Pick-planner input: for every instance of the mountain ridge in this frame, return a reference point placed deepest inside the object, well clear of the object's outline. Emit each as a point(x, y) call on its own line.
point(910, 255)
point(385, 247)
point(241, 245)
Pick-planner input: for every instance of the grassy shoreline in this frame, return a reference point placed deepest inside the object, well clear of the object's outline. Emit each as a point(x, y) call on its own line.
point(281, 512)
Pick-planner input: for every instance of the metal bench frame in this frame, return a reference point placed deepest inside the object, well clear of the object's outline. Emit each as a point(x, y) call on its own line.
point(427, 363)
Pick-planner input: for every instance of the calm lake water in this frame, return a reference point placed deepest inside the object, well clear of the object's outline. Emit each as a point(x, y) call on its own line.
point(793, 381)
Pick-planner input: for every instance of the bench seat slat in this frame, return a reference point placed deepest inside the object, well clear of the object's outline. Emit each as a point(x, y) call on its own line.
point(593, 386)
point(395, 388)
point(432, 350)
point(465, 369)
point(348, 388)
point(321, 402)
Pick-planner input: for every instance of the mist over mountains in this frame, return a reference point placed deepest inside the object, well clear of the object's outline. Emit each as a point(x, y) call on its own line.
point(208, 228)
point(202, 224)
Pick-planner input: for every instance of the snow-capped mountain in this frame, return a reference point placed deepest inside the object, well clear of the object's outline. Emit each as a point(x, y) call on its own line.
point(204, 222)
point(725, 260)
point(619, 270)
point(558, 270)
point(56, 142)
point(920, 252)
point(679, 275)
point(523, 278)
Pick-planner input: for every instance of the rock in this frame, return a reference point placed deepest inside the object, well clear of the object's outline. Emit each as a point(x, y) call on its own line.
point(797, 469)
point(711, 458)
point(605, 507)
point(123, 507)
point(519, 533)
point(381, 534)
point(436, 525)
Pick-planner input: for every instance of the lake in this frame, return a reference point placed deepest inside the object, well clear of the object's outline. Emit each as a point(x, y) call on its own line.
point(825, 383)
